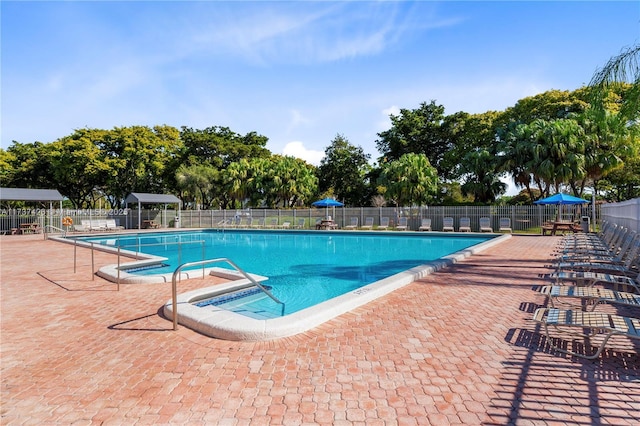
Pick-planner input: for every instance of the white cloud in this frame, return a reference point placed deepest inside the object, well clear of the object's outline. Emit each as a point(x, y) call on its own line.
point(297, 119)
point(385, 123)
point(298, 150)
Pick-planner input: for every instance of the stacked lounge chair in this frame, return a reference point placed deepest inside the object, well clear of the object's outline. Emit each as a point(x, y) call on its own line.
point(590, 270)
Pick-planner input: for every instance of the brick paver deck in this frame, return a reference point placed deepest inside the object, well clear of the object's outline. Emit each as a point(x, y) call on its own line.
point(456, 348)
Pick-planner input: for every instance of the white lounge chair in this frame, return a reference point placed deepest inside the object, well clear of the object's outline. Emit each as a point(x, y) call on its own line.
point(425, 225)
point(447, 224)
point(505, 225)
point(285, 225)
point(402, 224)
point(465, 224)
point(353, 223)
point(384, 224)
point(111, 225)
point(485, 225)
point(368, 223)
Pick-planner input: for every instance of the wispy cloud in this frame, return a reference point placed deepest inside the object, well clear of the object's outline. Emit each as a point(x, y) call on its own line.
point(308, 33)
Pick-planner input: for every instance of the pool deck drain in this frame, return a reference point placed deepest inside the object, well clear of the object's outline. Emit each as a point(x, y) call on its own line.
point(455, 347)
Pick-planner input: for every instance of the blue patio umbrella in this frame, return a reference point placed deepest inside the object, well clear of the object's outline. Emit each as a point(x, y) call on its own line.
point(560, 199)
point(327, 202)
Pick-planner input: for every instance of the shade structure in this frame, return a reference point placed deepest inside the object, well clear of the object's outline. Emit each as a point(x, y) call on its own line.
point(561, 199)
point(326, 203)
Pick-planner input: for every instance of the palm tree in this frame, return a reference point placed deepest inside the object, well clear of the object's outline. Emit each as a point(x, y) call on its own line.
point(624, 67)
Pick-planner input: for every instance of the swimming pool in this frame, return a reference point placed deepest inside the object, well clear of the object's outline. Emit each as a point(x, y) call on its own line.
point(306, 270)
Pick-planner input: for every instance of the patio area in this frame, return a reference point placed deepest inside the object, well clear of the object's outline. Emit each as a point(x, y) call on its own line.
point(455, 348)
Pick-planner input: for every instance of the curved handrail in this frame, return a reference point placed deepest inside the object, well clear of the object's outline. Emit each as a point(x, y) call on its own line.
point(174, 284)
point(62, 231)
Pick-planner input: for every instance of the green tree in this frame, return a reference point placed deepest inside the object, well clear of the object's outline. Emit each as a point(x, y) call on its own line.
point(410, 180)
point(196, 185)
point(137, 158)
point(30, 166)
point(480, 177)
point(343, 172)
point(622, 68)
point(78, 167)
point(219, 146)
point(417, 131)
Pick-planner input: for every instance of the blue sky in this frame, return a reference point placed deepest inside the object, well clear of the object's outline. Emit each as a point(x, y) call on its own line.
point(296, 72)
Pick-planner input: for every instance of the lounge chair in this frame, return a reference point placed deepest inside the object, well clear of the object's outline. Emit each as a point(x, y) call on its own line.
point(301, 223)
point(259, 223)
point(622, 264)
point(614, 254)
point(285, 225)
point(465, 224)
point(79, 227)
point(505, 225)
point(353, 223)
point(591, 295)
point(111, 225)
point(368, 223)
point(485, 225)
point(384, 224)
point(596, 323)
point(589, 279)
point(447, 224)
point(273, 223)
point(425, 225)
point(402, 224)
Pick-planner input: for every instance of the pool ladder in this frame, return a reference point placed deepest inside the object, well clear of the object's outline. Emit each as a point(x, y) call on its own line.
point(176, 274)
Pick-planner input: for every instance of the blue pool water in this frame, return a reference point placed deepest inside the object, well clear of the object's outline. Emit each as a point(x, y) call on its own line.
point(304, 267)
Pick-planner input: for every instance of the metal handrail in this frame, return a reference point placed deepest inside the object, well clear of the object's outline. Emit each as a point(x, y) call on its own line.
point(62, 231)
point(174, 284)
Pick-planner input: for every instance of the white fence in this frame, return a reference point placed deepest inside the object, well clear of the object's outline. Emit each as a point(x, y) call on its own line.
point(523, 218)
point(625, 213)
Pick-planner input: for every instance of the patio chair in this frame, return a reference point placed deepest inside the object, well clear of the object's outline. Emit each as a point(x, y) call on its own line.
point(621, 264)
point(485, 225)
point(285, 225)
point(353, 223)
point(402, 224)
point(505, 225)
point(301, 223)
point(591, 295)
point(425, 225)
point(368, 223)
point(465, 224)
point(111, 225)
point(447, 224)
point(259, 223)
point(585, 325)
point(590, 279)
point(273, 223)
point(384, 224)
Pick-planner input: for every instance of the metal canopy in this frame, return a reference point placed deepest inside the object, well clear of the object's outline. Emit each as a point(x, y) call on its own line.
point(27, 194)
point(145, 198)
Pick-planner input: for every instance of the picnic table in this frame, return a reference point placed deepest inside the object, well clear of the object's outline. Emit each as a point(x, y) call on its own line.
point(553, 227)
point(150, 224)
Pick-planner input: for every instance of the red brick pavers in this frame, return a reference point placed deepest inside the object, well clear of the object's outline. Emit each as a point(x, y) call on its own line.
point(456, 348)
